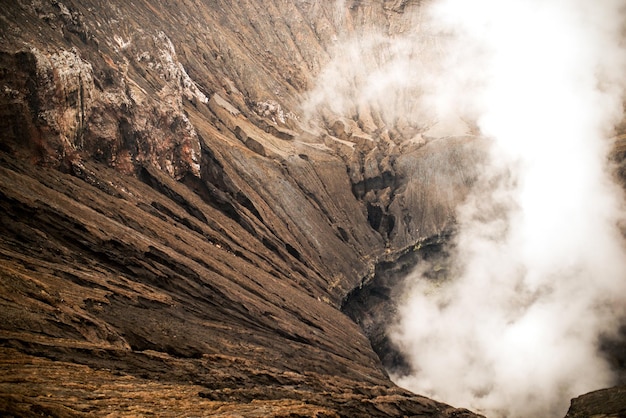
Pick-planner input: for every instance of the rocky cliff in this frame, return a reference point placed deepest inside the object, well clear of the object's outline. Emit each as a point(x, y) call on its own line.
point(178, 233)
point(175, 238)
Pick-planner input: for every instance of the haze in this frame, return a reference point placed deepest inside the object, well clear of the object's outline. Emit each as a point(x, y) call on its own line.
point(537, 274)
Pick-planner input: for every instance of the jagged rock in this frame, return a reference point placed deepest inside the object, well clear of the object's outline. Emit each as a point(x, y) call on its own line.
point(605, 403)
point(438, 177)
point(223, 110)
point(64, 114)
point(251, 143)
point(48, 98)
point(370, 165)
point(341, 130)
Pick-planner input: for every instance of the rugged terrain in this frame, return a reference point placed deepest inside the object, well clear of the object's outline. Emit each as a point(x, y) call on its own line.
point(177, 236)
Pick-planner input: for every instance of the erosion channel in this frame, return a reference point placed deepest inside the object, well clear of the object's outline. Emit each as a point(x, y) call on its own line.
point(183, 214)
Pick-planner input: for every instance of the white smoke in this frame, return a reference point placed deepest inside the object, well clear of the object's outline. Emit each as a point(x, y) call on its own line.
point(371, 73)
point(539, 265)
point(538, 269)
point(381, 80)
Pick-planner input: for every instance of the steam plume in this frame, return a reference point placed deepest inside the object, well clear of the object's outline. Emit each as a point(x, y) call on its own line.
point(537, 272)
point(539, 267)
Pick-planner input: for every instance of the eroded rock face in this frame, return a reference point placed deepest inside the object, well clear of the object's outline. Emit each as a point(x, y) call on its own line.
point(175, 239)
point(124, 86)
point(135, 297)
point(606, 403)
point(170, 226)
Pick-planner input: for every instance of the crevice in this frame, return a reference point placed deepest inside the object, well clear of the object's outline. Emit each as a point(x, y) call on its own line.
point(212, 196)
point(151, 180)
point(373, 305)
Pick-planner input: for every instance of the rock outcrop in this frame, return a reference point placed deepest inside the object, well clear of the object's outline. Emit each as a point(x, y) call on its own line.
point(606, 403)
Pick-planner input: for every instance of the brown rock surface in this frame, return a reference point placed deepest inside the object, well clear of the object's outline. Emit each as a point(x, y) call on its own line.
point(115, 291)
point(605, 403)
point(173, 241)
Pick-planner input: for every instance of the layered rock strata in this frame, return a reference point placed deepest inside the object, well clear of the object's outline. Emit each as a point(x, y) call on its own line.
point(174, 240)
point(176, 237)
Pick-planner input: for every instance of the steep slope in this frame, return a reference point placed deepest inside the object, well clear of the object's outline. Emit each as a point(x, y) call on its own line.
point(179, 233)
point(175, 240)
point(120, 85)
point(113, 286)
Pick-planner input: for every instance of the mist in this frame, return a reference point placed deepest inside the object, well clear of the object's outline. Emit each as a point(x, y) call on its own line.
point(537, 271)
